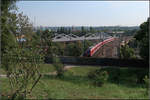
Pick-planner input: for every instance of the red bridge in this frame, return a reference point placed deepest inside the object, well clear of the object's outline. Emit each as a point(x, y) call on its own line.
point(108, 48)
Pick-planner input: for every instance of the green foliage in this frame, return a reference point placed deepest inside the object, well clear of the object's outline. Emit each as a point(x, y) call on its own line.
point(8, 25)
point(83, 31)
point(99, 77)
point(92, 30)
point(46, 42)
point(132, 43)
point(73, 49)
point(19, 59)
point(147, 83)
point(126, 52)
point(8, 30)
point(58, 48)
point(59, 67)
point(130, 32)
point(24, 27)
point(132, 76)
point(22, 69)
point(86, 45)
point(142, 37)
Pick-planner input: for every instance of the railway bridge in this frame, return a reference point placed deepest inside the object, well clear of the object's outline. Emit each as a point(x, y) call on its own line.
point(109, 50)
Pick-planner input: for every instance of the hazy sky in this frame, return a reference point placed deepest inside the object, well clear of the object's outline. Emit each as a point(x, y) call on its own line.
point(85, 13)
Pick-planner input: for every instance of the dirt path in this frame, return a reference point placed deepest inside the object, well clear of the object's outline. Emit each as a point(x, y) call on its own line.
point(70, 66)
point(2, 75)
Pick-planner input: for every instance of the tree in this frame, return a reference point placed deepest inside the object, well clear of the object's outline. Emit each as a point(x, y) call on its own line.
point(59, 67)
point(92, 30)
point(8, 28)
point(23, 71)
point(69, 30)
point(73, 49)
point(126, 52)
point(62, 30)
point(87, 44)
point(58, 48)
point(83, 31)
point(8, 25)
point(46, 42)
point(142, 36)
point(24, 26)
point(20, 62)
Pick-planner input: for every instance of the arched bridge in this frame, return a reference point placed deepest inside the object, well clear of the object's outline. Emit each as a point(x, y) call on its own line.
point(108, 48)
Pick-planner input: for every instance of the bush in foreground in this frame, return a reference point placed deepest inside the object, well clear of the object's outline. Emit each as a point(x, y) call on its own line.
point(99, 77)
point(59, 67)
point(146, 80)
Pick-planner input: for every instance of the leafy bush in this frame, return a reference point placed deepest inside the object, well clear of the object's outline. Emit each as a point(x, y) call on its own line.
point(132, 79)
point(114, 74)
point(146, 80)
point(99, 77)
point(73, 49)
point(59, 67)
point(142, 36)
point(126, 52)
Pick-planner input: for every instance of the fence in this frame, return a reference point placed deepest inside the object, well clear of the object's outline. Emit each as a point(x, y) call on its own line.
point(102, 61)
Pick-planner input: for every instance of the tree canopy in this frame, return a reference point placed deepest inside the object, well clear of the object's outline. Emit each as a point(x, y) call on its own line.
point(142, 38)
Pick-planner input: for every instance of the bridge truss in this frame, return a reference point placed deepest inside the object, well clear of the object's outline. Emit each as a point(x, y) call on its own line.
point(71, 37)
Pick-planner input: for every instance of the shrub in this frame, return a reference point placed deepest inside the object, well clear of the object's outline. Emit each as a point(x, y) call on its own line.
point(99, 77)
point(126, 52)
point(132, 79)
point(146, 80)
point(114, 74)
point(59, 67)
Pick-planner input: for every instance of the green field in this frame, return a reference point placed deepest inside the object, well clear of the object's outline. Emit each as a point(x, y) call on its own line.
point(76, 85)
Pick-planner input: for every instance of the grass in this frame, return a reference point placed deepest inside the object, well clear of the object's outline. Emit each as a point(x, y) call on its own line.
point(44, 68)
point(76, 85)
point(2, 71)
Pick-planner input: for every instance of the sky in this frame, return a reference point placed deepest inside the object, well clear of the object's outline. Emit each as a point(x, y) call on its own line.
point(85, 13)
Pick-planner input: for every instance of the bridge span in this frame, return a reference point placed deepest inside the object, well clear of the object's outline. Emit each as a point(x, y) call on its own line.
point(108, 48)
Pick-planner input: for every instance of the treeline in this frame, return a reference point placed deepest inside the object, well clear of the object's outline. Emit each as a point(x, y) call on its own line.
point(80, 31)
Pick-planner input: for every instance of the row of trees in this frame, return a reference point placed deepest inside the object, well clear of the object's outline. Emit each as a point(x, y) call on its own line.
point(79, 32)
point(70, 49)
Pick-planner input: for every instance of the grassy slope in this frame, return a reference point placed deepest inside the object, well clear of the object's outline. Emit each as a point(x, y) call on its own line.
point(44, 68)
point(76, 85)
